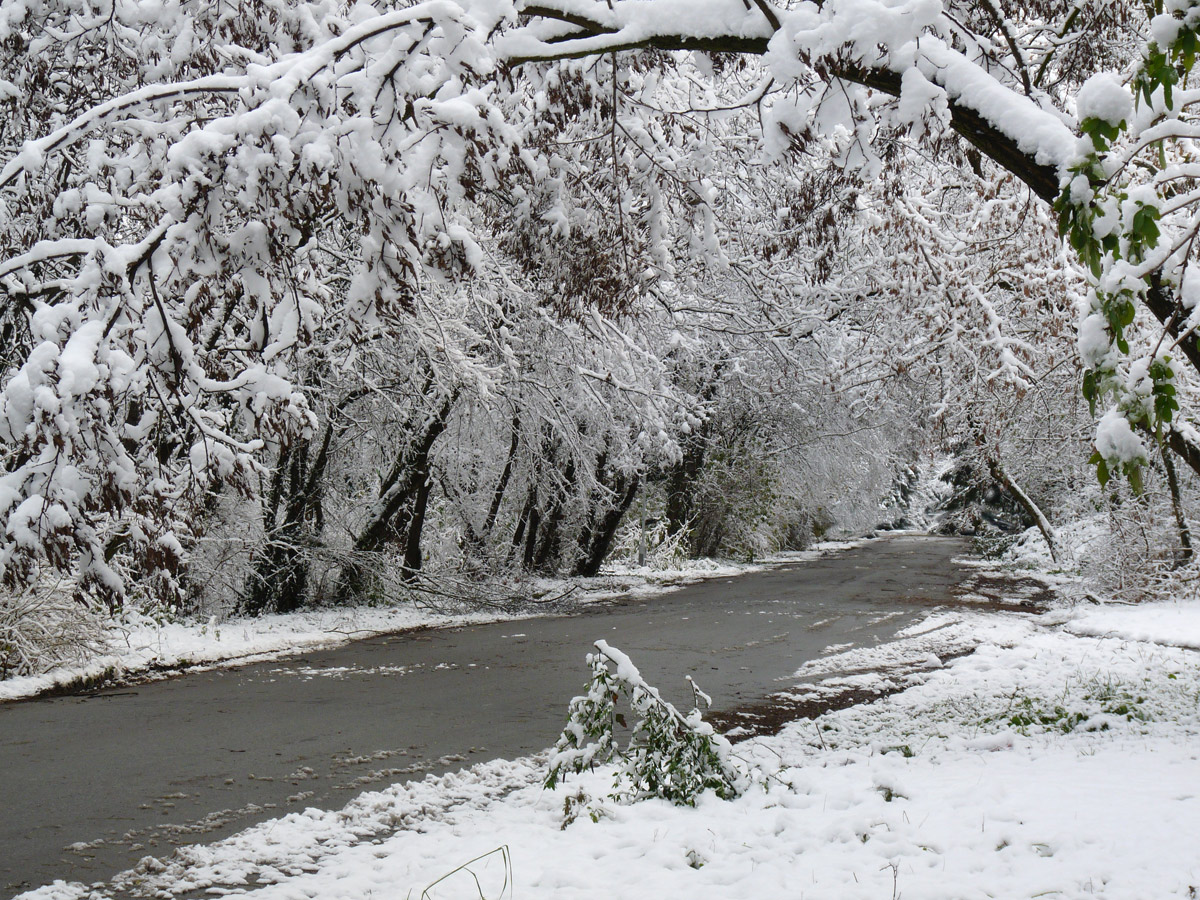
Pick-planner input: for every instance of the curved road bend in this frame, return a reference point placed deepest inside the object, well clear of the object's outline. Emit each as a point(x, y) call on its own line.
point(93, 783)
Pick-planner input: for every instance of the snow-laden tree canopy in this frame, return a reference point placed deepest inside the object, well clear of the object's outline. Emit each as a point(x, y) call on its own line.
point(215, 216)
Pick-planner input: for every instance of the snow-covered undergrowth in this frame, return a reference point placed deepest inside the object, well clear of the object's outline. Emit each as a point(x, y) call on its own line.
point(1083, 538)
point(1046, 764)
point(1129, 552)
point(1167, 607)
point(42, 630)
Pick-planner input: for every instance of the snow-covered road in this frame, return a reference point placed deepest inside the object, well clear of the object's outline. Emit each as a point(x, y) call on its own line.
point(94, 783)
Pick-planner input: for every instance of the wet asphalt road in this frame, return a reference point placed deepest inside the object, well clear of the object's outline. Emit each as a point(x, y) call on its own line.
point(91, 784)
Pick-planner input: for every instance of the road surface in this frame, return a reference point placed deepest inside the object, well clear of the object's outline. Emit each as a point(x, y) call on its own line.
point(91, 784)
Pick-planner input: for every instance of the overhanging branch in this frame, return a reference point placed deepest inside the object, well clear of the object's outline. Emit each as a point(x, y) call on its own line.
point(970, 125)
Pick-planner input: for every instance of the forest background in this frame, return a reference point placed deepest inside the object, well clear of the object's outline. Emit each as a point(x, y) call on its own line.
point(312, 304)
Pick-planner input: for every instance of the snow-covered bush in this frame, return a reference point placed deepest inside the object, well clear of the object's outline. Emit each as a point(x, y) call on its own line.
point(669, 755)
point(42, 629)
point(663, 549)
point(1121, 545)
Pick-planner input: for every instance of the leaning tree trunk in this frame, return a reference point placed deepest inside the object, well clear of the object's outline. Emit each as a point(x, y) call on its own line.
point(1034, 512)
point(597, 539)
point(399, 495)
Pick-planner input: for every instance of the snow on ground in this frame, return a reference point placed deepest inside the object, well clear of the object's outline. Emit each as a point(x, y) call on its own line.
point(141, 646)
point(1175, 622)
point(1047, 763)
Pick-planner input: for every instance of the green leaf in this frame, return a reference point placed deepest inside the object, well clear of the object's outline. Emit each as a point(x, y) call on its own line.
point(1164, 408)
point(1065, 215)
point(1079, 237)
point(1134, 474)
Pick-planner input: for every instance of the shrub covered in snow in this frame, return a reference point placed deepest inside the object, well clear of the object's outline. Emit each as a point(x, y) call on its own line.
point(669, 755)
point(42, 629)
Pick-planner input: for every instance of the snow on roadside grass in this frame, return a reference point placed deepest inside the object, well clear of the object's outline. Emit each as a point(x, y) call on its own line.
point(1045, 764)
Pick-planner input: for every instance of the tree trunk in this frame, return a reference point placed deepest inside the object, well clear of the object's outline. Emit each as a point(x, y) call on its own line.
point(549, 546)
point(397, 494)
point(279, 582)
point(1032, 510)
point(280, 574)
point(534, 523)
point(518, 538)
point(416, 523)
point(1185, 534)
point(600, 536)
point(682, 480)
point(476, 542)
point(502, 485)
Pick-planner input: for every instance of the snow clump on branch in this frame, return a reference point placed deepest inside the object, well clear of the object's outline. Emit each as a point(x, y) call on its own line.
point(1104, 97)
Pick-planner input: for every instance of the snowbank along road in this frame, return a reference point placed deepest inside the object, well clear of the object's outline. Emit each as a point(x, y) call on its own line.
point(93, 783)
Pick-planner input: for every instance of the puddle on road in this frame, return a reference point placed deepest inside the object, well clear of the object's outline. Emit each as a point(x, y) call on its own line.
point(749, 645)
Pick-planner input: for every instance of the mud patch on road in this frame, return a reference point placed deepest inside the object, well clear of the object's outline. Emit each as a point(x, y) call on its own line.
point(1015, 593)
point(772, 715)
point(1006, 592)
